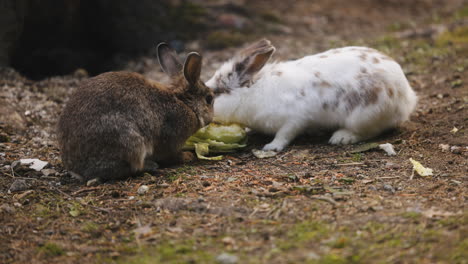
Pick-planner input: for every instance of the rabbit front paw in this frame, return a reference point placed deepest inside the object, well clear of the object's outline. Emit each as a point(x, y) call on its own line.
point(274, 146)
point(343, 137)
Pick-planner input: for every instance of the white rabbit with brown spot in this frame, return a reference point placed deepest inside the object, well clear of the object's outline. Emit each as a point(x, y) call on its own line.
point(356, 91)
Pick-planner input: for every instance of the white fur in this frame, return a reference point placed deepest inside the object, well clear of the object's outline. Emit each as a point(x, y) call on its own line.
point(290, 98)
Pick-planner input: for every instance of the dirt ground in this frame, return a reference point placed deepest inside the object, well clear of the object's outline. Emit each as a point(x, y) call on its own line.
point(313, 203)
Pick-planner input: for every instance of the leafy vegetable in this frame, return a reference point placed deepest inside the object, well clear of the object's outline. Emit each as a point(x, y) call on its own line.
point(420, 169)
point(216, 138)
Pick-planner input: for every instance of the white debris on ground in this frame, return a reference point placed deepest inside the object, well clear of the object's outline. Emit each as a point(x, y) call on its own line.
point(387, 147)
point(35, 164)
point(420, 169)
point(261, 154)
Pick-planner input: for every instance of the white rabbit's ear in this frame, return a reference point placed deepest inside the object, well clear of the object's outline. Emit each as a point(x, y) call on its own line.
point(192, 67)
point(252, 59)
point(168, 60)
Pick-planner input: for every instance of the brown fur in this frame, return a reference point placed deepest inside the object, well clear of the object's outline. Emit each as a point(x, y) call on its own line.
point(116, 120)
point(363, 56)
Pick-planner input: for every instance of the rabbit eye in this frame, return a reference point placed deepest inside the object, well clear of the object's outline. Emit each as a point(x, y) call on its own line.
point(209, 99)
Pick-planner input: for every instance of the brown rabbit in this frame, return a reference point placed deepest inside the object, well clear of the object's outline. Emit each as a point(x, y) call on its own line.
point(117, 120)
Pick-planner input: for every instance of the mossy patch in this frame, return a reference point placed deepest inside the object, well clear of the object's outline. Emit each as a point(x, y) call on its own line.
point(51, 249)
point(225, 39)
point(458, 36)
point(187, 251)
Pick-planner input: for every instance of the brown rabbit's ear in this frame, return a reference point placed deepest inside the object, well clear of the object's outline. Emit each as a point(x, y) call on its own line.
point(192, 67)
point(252, 59)
point(168, 60)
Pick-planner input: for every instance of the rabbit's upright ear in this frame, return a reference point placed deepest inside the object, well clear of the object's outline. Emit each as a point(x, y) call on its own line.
point(252, 59)
point(192, 67)
point(168, 60)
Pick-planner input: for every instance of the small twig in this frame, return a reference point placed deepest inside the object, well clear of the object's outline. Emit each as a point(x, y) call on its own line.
point(85, 190)
point(386, 178)
point(325, 199)
point(62, 192)
point(100, 209)
point(350, 164)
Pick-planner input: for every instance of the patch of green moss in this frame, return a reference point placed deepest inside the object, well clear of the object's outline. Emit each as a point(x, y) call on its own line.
point(187, 13)
point(179, 173)
point(412, 215)
point(51, 249)
point(303, 233)
point(398, 26)
point(387, 44)
point(224, 39)
point(459, 36)
point(460, 253)
point(462, 12)
point(91, 228)
point(270, 17)
point(42, 210)
point(170, 252)
point(357, 157)
point(340, 242)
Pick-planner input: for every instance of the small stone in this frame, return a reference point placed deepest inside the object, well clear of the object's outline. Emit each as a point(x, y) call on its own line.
point(131, 197)
point(206, 184)
point(273, 189)
point(455, 149)
point(4, 137)
point(444, 147)
point(19, 186)
point(389, 188)
point(7, 209)
point(93, 182)
point(312, 256)
point(143, 189)
point(372, 188)
point(391, 165)
point(228, 241)
point(231, 179)
point(48, 172)
point(226, 258)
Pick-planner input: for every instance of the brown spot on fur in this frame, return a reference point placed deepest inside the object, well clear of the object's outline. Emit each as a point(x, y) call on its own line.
point(372, 95)
point(363, 56)
point(219, 91)
point(336, 51)
point(353, 99)
point(383, 57)
point(375, 60)
point(359, 77)
point(325, 106)
point(317, 74)
point(302, 92)
point(363, 70)
point(399, 94)
point(390, 92)
point(277, 73)
point(323, 56)
point(325, 84)
point(339, 93)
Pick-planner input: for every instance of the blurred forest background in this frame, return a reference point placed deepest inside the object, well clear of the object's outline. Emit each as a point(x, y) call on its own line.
point(42, 38)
